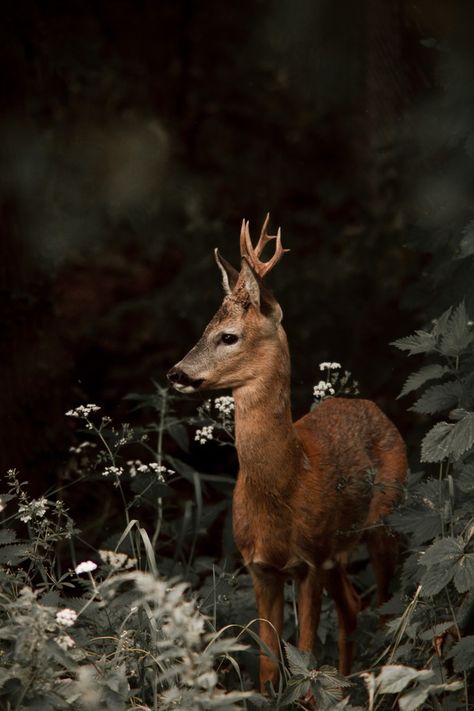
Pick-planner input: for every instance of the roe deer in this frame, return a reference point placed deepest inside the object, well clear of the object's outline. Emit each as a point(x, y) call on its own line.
point(306, 492)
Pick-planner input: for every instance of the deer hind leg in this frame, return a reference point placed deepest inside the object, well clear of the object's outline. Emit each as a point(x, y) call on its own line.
point(347, 601)
point(383, 545)
point(268, 586)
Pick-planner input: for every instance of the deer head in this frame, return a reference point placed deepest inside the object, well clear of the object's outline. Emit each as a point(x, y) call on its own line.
point(235, 344)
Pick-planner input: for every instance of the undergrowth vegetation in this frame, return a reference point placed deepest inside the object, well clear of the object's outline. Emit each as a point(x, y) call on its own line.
point(159, 614)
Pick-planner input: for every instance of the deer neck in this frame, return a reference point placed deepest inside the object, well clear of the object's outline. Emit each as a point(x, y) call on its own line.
point(269, 452)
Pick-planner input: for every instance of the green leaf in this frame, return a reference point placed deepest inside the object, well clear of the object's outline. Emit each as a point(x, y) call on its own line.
point(422, 376)
point(464, 573)
point(298, 662)
point(7, 535)
point(434, 447)
point(446, 560)
point(413, 698)
point(444, 551)
point(393, 678)
point(462, 436)
point(420, 342)
point(14, 554)
point(463, 654)
point(422, 523)
point(457, 335)
point(438, 398)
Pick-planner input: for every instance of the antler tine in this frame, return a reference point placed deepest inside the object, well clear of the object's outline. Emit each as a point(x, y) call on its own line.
point(252, 253)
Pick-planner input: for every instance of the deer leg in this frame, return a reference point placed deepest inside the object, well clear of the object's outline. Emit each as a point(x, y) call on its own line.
point(268, 586)
point(383, 547)
point(347, 601)
point(309, 609)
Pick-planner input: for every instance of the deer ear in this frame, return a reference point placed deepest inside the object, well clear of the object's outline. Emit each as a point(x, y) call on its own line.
point(229, 274)
point(250, 283)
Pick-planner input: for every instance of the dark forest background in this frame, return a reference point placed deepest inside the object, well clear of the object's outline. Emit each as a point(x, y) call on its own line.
point(135, 136)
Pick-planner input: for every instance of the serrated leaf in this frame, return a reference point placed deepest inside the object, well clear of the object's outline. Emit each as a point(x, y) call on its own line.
point(422, 523)
point(462, 436)
point(298, 661)
point(444, 551)
point(14, 553)
point(440, 323)
point(464, 573)
point(419, 342)
point(463, 654)
point(457, 335)
point(438, 398)
point(7, 535)
point(422, 376)
point(446, 561)
point(434, 447)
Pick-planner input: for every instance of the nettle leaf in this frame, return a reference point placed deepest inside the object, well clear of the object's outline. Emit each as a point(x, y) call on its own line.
point(447, 560)
point(14, 554)
point(463, 654)
point(439, 324)
point(423, 523)
point(457, 335)
point(434, 447)
point(419, 342)
point(462, 436)
point(7, 535)
point(464, 573)
point(448, 439)
point(438, 398)
point(299, 662)
point(422, 376)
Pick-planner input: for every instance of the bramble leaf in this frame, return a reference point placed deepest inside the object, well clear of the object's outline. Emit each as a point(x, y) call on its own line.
point(457, 335)
point(463, 654)
point(438, 398)
point(434, 447)
point(422, 376)
point(419, 342)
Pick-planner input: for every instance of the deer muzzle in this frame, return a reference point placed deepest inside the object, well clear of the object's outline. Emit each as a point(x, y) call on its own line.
point(182, 381)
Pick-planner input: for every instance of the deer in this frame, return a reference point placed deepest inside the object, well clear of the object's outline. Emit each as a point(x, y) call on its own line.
point(306, 492)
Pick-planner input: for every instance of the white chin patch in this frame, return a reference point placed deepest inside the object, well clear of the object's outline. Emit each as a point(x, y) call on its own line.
point(185, 388)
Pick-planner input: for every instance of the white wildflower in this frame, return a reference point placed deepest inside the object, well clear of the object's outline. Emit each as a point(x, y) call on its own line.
point(83, 410)
point(117, 560)
point(87, 566)
point(113, 471)
point(225, 404)
point(329, 366)
point(65, 641)
point(323, 389)
point(204, 434)
point(136, 466)
point(35, 508)
point(66, 617)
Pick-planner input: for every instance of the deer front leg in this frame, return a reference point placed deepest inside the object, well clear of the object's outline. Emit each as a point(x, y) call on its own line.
point(309, 609)
point(268, 586)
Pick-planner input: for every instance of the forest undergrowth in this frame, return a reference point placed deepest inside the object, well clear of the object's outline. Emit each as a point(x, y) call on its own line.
point(144, 603)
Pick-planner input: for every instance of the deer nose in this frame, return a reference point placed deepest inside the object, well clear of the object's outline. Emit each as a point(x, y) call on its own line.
point(179, 377)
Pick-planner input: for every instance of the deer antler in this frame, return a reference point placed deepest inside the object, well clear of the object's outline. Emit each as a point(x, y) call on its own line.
point(252, 254)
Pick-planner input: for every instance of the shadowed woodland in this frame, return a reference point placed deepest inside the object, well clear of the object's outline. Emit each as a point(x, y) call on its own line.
point(135, 136)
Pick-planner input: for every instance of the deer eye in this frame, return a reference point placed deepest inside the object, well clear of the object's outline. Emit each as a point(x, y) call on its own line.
point(229, 338)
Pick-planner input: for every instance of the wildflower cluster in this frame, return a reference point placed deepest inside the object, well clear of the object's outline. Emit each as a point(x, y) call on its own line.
point(87, 566)
point(117, 560)
point(204, 434)
point(112, 471)
point(335, 383)
point(83, 411)
point(225, 404)
point(66, 617)
point(136, 466)
point(35, 508)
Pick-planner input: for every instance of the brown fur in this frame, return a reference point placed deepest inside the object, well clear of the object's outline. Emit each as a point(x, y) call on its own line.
point(306, 492)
